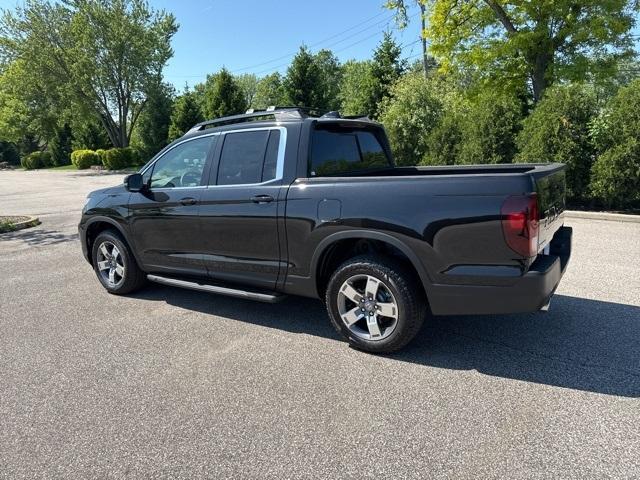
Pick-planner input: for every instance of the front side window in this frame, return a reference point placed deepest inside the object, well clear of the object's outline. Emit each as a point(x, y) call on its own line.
point(183, 165)
point(337, 151)
point(248, 157)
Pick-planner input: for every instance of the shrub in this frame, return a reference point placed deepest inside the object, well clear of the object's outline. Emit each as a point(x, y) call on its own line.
point(558, 131)
point(60, 146)
point(489, 129)
point(409, 116)
point(443, 142)
point(100, 152)
point(117, 158)
point(84, 158)
point(36, 160)
point(616, 174)
point(9, 153)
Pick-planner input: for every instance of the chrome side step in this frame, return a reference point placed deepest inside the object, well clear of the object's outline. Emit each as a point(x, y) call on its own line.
point(231, 292)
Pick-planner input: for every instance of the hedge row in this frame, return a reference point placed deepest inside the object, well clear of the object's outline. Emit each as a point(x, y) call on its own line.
point(113, 159)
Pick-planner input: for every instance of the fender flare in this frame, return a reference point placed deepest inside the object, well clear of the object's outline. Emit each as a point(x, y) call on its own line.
point(371, 235)
point(117, 226)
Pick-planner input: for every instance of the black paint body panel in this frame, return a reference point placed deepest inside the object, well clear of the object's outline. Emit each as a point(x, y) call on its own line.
point(445, 220)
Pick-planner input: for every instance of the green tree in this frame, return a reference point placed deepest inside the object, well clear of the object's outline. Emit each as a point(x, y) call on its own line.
point(9, 153)
point(248, 83)
point(489, 129)
point(25, 107)
point(270, 91)
point(558, 131)
point(152, 130)
point(409, 115)
point(101, 55)
point(386, 68)
point(357, 89)
point(529, 43)
point(88, 133)
point(222, 95)
point(60, 146)
point(186, 113)
point(402, 19)
point(616, 172)
point(303, 83)
point(330, 78)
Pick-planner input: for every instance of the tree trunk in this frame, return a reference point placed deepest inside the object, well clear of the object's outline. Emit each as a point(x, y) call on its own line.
point(539, 77)
point(423, 25)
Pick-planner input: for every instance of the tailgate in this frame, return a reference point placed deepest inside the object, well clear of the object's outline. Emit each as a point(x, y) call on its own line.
point(550, 187)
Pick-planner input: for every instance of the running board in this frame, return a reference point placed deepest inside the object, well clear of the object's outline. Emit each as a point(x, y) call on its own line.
point(231, 292)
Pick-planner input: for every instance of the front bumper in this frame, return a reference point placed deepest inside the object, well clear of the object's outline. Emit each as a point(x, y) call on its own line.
point(529, 294)
point(82, 233)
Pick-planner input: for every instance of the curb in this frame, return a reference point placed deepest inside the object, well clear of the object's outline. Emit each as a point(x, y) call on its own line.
point(611, 217)
point(30, 222)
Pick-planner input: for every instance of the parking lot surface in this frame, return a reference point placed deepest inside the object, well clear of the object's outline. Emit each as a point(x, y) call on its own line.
point(170, 383)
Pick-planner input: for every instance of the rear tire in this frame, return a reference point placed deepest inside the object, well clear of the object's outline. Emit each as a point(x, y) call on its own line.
point(376, 303)
point(114, 264)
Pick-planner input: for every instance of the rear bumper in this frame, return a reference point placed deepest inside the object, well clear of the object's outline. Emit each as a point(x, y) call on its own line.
point(529, 294)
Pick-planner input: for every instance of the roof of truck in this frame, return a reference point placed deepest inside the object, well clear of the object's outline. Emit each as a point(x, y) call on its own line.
point(279, 115)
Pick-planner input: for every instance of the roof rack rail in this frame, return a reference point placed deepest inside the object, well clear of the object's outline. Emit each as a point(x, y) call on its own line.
point(279, 113)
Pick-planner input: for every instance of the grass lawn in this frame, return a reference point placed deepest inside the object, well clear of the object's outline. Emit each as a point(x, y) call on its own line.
point(64, 167)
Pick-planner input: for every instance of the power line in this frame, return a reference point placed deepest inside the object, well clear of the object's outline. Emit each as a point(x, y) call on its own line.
point(386, 19)
point(274, 68)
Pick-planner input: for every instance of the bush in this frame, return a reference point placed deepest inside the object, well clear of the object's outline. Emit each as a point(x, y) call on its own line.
point(84, 158)
point(616, 176)
point(37, 160)
point(60, 146)
point(409, 116)
point(558, 131)
point(489, 129)
point(616, 133)
point(9, 153)
point(119, 158)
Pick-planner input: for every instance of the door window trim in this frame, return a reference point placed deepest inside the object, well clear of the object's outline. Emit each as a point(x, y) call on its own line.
point(152, 164)
point(282, 145)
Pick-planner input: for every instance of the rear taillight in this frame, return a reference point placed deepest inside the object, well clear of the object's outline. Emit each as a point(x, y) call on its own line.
point(520, 223)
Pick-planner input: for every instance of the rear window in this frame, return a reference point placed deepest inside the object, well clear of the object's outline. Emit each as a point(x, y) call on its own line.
point(248, 157)
point(338, 151)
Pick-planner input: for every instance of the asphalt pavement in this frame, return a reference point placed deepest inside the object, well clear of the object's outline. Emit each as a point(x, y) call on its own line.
point(170, 383)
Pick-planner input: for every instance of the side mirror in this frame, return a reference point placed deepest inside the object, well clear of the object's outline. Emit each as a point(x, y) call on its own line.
point(134, 182)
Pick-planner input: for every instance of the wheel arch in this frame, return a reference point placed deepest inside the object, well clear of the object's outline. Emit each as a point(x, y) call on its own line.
point(326, 248)
point(99, 224)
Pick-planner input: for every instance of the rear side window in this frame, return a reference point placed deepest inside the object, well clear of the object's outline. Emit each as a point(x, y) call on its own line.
point(335, 152)
point(248, 157)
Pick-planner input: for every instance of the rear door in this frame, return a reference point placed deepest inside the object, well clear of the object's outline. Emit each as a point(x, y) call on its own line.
point(164, 216)
point(240, 207)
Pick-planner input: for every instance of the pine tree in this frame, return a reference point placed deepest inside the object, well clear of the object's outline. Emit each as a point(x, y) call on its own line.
point(386, 69)
point(270, 91)
point(153, 125)
point(303, 83)
point(223, 96)
point(61, 146)
point(186, 113)
point(330, 78)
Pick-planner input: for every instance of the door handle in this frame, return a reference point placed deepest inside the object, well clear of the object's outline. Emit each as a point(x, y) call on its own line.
point(188, 201)
point(262, 199)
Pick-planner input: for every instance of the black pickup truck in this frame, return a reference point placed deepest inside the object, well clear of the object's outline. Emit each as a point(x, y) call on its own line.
point(282, 202)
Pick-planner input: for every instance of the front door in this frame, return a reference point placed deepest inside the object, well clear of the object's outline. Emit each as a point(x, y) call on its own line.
point(240, 208)
point(164, 216)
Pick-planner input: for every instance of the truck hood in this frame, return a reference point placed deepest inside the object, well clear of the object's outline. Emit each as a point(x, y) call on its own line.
point(107, 191)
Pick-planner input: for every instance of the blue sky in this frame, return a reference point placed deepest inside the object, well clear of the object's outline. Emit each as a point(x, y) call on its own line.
point(257, 36)
point(261, 36)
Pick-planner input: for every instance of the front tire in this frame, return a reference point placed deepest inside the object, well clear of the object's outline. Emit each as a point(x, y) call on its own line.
point(375, 303)
point(114, 264)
